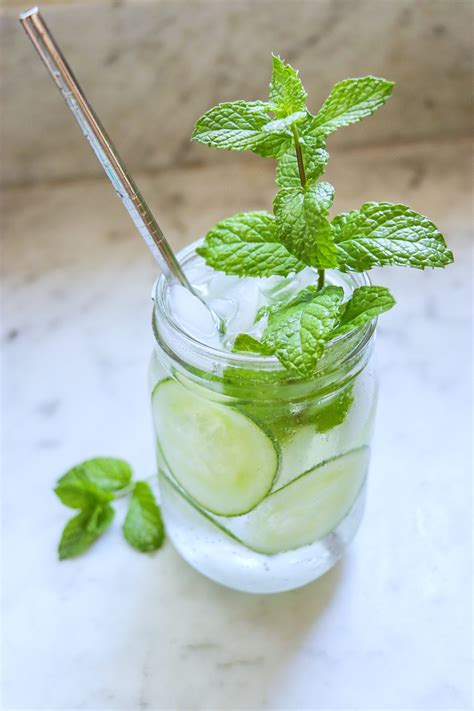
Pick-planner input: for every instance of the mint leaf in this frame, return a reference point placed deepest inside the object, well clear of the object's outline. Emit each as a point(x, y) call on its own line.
point(234, 126)
point(385, 233)
point(78, 492)
point(143, 526)
point(287, 94)
point(273, 145)
point(108, 473)
point(297, 333)
point(279, 125)
point(244, 343)
point(243, 125)
point(247, 245)
point(366, 303)
point(302, 225)
point(350, 101)
point(93, 481)
point(302, 297)
point(315, 157)
point(267, 309)
point(322, 195)
point(334, 412)
point(83, 530)
point(244, 384)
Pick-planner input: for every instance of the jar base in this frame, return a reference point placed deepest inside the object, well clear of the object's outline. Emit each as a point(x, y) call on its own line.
point(227, 562)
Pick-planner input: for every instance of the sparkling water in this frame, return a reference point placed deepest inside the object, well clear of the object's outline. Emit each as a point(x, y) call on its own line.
point(219, 545)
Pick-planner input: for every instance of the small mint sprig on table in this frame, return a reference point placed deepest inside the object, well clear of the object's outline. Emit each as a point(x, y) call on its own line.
point(91, 487)
point(299, 233)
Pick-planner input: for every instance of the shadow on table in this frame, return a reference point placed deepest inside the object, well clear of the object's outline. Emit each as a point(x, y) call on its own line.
point(227, 649)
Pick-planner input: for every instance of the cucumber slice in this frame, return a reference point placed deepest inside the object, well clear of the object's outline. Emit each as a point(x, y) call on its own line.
point(182, 507)
point(219, 456)
point(307, 446)
point(306, 509)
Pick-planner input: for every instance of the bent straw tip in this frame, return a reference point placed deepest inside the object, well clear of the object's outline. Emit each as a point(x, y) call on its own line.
point(28, 13)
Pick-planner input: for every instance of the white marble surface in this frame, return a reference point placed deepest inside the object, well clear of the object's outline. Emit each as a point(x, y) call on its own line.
point(388, 628)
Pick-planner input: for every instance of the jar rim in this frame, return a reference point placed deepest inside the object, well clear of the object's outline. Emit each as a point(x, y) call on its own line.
point(247, 361)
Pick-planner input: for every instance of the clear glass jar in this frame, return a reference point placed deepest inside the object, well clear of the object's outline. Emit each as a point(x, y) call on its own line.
point(262, 474)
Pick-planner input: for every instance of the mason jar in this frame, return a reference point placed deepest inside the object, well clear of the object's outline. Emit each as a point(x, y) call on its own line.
point(262, 473)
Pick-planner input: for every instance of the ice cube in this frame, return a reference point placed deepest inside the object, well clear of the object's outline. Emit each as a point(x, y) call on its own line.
point(234, 299)
point(192, 315)
point(221, 284)
point(247, 296)
point(281, 289)
point(199, 274)
point(225, 308)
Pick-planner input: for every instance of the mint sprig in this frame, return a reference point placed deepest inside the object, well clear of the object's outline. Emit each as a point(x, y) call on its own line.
point(301, 233)
point(91, 487)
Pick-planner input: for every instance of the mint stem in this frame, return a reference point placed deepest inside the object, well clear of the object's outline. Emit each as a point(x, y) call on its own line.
point(122, 493)
point(299, 156)
point(302, 173)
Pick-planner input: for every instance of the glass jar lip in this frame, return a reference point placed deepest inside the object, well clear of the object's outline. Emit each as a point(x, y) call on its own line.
point(247, 361)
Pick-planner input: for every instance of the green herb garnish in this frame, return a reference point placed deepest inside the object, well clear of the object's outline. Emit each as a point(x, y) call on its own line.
point(300, 233)
point(143, 527)
point(91, 487)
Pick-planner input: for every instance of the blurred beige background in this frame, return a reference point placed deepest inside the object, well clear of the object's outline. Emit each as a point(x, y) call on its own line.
point(152, 68)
